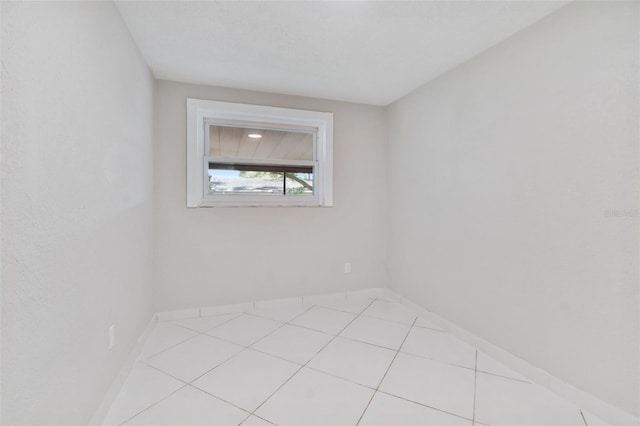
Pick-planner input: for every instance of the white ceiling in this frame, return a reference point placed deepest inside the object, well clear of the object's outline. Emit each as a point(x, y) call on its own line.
point(359, 51)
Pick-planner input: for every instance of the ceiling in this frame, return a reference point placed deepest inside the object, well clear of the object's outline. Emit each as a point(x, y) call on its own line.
point(359, 51)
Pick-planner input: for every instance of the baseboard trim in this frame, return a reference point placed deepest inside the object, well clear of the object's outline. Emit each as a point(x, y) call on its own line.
point(113, 391)
point(206, 311)
point(582, 399)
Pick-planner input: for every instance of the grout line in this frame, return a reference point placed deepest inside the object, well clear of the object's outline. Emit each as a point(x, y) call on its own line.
point(187, 384)
point(255, 415)
point(282, 324)
point(335, 309)
point(298, 370)
point(253, 314)
point(384, 392)
point(392, 321)
point(236, 313)
point(279, 387)
point(439, 361)
point(343, 329)
point(154, 404)
point(321, 331)
point(430, 328)
point(423, 404)
point(340, 378)
point(218, 398)
point(475, 388)
point(218, 365)
point(309, 328)
point(385, 373)
point(333, 337)
point(583, 418)
point(187, 339)
point(505, 377)
point(244, 348)
point(301, 366)
point(275, 356)
point(209, 329)
point(170, 347)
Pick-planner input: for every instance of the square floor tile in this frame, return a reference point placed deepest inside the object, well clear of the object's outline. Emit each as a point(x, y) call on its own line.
point(442, 386)
point(245, 329)
point(248, 379)
point(386, 410)
point(354, 361)
point(194, 357)
point(313, 398)
point(322, 319)
point(284, 313)
point(501, 401)
point(189, 406)
point(390, 311)
point(440, 346)
point(425, 323)
point(489, 365)
point(144, 387)
point(378, 332)
point(204, 323)
point(293, 343)
point(163, 336)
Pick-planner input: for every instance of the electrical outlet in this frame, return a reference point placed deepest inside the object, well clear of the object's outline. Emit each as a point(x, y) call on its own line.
point(112, 336)
point(347, 268)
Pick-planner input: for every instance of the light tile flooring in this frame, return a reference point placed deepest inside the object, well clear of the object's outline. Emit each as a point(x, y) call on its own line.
point(339, 361)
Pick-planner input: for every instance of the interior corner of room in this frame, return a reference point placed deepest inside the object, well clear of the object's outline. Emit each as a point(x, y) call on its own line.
point(500, 194)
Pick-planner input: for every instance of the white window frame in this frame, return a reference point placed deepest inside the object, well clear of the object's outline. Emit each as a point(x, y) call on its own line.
point(203, 113)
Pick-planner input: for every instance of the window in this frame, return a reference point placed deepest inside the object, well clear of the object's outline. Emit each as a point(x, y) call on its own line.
point(250, 155)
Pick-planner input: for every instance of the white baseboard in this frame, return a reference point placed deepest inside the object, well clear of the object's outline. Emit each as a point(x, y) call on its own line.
point(207, 311)
point(580, 398)
point(123, 374)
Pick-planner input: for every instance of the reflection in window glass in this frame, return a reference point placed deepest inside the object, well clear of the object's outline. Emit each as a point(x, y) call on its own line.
point(238, 142)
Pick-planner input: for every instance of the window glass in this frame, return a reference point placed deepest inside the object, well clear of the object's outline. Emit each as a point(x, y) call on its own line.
point(239, 142)
point(260, 179)
point(244, 155)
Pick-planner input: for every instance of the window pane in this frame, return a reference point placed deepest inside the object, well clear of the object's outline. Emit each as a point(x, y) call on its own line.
point(238, 142)
point(260, 179)
point(225, 181)
point(299, 183)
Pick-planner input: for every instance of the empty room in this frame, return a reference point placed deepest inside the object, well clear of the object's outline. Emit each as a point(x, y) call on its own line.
point(320, 212)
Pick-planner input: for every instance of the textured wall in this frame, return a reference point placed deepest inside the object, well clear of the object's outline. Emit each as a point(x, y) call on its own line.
point(213, 256)
point(76, 206)
point(501, 175)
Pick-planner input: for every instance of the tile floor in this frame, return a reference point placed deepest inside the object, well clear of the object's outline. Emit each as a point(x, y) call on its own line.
point(336, 361)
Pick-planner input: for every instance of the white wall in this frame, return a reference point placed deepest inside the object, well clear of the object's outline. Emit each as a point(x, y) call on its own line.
point(213, 256)
point(76, 206)
point(500, 175)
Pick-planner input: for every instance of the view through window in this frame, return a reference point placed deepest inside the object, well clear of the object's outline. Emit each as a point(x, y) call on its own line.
point(260, 161)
